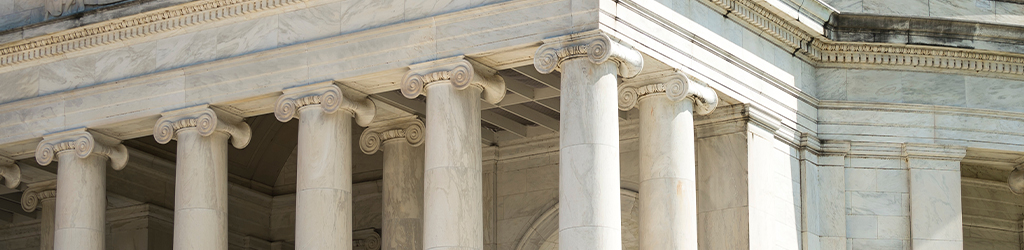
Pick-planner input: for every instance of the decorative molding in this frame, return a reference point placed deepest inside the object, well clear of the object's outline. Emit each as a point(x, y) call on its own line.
point(409, 128)
point(37, 192)
point(458, 71)
point(596, 46)
point(10, 172)
point(328, 96)
point(157, 21)
point(932, 151)
point(206, 119)
point(83, 143)
point(676, 85)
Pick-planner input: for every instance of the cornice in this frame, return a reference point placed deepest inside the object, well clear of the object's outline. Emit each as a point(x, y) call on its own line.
point(328, 96)
point(460, 72)
point(82, 143)
point(206, 119)
point(144, 24)
point(410, 129)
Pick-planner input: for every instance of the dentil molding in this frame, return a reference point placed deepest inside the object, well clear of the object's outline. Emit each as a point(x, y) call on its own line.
point(675, 84)
point(409, 129)
point(206, 119)
point(9, 172)
point(458, 71)
point(598, 47)
point(82, 143)
point(36, 193)
point(328, 96)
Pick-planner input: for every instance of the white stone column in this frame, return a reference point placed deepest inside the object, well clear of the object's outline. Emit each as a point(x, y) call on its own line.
point(400, 140)
point(80, 216)
point(588, 189)
point(453, 177)
point(42, 195)
point(668, 189)
point(323, 192)
point(201, 172)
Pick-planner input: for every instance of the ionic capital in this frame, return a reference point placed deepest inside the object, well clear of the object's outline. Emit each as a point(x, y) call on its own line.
point(598, 47)
point(10, 172)
point(676, 85)
point(330, 99)
point(207, 120)
point(409, 129)
point(37, 192)
point(458, 71)
point(83, 143)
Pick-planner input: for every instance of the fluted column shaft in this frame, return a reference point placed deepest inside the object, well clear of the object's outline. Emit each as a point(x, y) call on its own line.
point(80, 206)
point(201, 191)
point(668, 190)
point(588, 181)
point(201, 172)
point(323, 194)
point(403, 196)
point(81, 202)
point(453, 177)
point(46, 223)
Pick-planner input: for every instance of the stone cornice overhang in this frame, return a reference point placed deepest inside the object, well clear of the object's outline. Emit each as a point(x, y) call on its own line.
point(925, 31)
point(503, 35)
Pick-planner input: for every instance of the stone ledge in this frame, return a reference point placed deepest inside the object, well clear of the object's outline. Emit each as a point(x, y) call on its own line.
point(925, 31)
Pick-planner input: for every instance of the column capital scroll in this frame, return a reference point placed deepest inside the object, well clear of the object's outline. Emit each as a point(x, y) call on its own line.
point(37, 192)
point(206, 119)
point(328, 96)
point(10, 172)
point(596, 46)
point(408, 128)
point(458, 70)
point(677, 85)
point(83, 143)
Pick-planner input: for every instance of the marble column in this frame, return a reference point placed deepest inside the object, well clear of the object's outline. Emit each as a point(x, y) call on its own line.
point(400, 139)
point(323, 192)
point(588, 185)
point(668, 189)
point(201, 172)
point(80, 214)
point(42, 195)
point(452, 176)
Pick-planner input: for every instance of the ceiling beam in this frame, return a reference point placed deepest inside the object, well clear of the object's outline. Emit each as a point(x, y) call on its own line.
point(534, 116)
point(550, 80)
point(13, 207)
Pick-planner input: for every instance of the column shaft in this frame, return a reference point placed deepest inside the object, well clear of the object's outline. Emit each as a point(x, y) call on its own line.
point(323, 196)
point(403, 196)
point(668, 192)
point(46, 223)
point(588, 197)
point(81, 202)
point(453, 198)
point(201, 191)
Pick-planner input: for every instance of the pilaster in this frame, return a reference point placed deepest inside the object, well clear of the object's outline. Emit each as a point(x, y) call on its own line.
point(936, 214)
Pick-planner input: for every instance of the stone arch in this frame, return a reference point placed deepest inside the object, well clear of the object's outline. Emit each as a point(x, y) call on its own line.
point(543, 233)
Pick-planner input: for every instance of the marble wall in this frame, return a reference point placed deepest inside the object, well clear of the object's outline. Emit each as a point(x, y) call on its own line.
point(877, 201)
point(993, 11)
point(887, 86)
